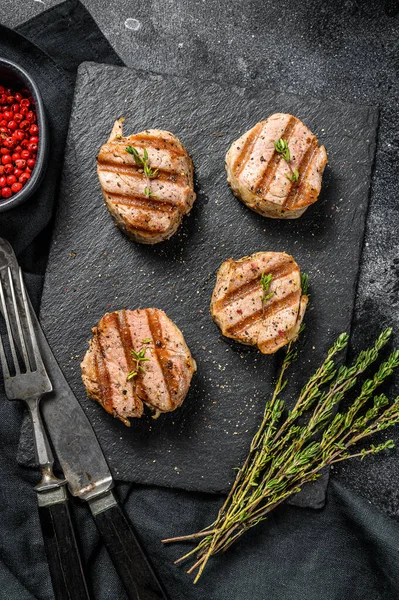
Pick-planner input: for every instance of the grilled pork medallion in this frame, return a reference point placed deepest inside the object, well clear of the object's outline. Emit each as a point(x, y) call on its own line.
point(137, 357)
point(147, 182)
point(258, 300)
point(276, 167)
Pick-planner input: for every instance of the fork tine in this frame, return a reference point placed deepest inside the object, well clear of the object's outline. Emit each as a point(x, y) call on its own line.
point(3, 360)
point(19, 324)
point(9, 332)
point(33, 339)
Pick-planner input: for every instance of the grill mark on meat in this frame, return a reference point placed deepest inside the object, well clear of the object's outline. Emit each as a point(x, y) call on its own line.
point(262, 184)
point(113, 338)
point(141, 223)
point(278, 271)
point(143, 202)
point(132, 170)
point(303, 168)
point(125, 335)
point(103, 377)
point(135, 171)
point(263, 314)
point(136, 226)
point(159, 348)
point(157, 144)
point(272, 342)
point(265, 180)
point(147, 219)
point(246, 150)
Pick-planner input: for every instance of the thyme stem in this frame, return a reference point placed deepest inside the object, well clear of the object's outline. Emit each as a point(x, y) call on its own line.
point(284, 453)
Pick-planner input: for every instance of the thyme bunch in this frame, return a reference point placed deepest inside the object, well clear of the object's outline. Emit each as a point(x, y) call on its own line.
point(285, 453)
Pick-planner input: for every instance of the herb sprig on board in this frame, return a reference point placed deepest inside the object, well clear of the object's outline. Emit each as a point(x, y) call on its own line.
point(285, 453)
point(305, 283)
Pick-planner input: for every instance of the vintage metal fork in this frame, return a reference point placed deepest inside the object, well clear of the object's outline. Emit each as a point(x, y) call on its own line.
point(33, 382)
point(29, 384)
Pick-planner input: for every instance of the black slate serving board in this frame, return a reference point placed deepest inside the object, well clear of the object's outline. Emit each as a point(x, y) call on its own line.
point(93, 268)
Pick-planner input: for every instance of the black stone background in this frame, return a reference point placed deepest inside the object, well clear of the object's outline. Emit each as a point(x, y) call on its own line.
point(93, 268)
point(345, 50)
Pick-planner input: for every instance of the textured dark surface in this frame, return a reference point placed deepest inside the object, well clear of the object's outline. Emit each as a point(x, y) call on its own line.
point(344, 50)
point(94, 268)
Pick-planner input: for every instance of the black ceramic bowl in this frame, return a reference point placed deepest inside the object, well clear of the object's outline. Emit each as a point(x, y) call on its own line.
point(14, 75)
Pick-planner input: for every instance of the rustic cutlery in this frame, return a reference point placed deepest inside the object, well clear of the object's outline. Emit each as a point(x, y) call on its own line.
point(30, 384)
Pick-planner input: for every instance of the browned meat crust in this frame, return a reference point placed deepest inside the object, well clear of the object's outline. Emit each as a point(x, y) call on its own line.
point(146, 217)
point(239, 307)
point(163, 381)
point(262, 178)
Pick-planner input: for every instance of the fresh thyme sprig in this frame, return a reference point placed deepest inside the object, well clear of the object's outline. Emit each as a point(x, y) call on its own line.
point(285, 454)
point(293, 176)
point(139, 358)
point(265, 281)
point(304, 283)
point(281, 147)
point(143, 162)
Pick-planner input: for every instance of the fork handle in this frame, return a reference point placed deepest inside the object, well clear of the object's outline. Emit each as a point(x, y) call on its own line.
point(62, 551)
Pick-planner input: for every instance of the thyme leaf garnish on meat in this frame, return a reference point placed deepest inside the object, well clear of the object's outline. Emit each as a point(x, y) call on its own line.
point(285, 454)
point(142, 161)
point(293, 176)
point(139, 358)
point(137, 158)
point(265, 281)
point(281, 147)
